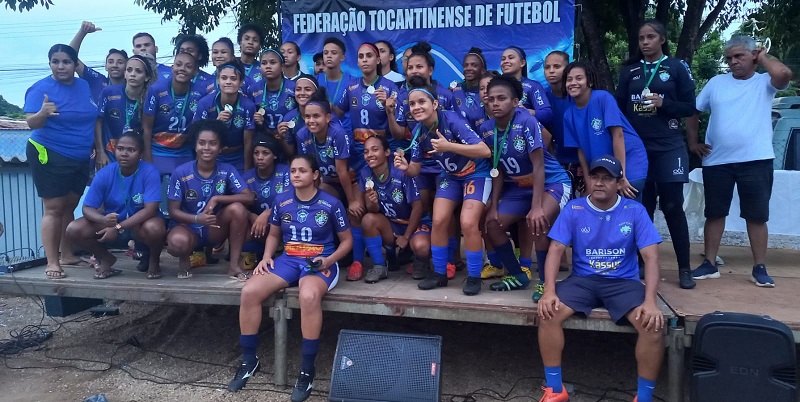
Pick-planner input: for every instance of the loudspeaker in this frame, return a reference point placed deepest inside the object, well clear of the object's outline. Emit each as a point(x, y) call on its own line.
point(743, 357)
point(379, 366)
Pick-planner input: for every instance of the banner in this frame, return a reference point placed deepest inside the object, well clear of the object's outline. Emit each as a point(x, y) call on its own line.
point(450, 26)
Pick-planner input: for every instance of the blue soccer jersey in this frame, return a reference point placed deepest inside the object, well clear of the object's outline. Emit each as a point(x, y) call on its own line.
point(248, 86)
point(395, 193)
point(336, 90)
point(97, 81)
point(119, 114)
point(336, 146)
point(163, 72)
point(524, 136)
point(267, 188)
point(253, 71)
point(556, 127)
point(454, 129)
point(588, 128)
point(194, 191)
point(276, 104)
point(403, 114)
point(209, 107)
point(469, 104)
point(172, 114)
point(533, 98)
point(309, 227)
point(367, 114)
point(124, 195)
point(296, 116)
point(605, 243)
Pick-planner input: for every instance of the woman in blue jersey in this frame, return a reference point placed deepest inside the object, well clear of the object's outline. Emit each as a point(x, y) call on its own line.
point(305, 86)
point(60, 111)
point(307, 221)
point(554, 65)
point(394, 217)
point(169, 108)
point(276, 97)
point(266, 180)
point(115, 63)
point(447, 139)
point(514, 62)
point(656, 91)
point(467, 92)
point(207, 201)
point(229, 106)
point(122, 202)
point(197, 46)
point(595, 125)
point(120, 108)
point(222, 53)
point(528, 183)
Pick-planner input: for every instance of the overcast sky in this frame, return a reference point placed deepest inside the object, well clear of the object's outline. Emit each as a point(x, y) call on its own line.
point(26, 37)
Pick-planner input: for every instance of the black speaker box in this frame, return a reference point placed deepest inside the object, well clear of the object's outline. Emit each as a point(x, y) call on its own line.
point(379, 366)
point(743, 357)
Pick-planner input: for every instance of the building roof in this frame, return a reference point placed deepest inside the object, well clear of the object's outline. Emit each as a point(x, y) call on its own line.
point(12, 124)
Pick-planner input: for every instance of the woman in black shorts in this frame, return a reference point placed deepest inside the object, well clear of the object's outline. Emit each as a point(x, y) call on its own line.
point(655, 92)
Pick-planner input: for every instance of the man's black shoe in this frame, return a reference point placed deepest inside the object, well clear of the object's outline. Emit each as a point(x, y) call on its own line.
point(302, 387)
point(686, 280)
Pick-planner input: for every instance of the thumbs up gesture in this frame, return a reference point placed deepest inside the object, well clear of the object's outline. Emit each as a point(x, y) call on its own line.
point(89, 27)
point(439, 143)
point(48, 108)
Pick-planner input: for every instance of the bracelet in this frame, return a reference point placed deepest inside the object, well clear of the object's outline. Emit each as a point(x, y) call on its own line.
point(195, 218)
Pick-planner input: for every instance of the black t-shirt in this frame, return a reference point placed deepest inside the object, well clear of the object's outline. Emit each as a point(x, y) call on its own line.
point(659, 128)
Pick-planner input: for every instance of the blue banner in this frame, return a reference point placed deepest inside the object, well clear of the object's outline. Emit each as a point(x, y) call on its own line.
point(450, 26)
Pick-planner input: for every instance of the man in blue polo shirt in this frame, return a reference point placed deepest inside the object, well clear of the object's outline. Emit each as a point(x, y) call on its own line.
point(605, 232)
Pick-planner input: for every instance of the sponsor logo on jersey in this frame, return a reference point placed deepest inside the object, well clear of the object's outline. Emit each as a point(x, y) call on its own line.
point(365, 97)
point(289, 104)
point(137, 198)
point(114, 113)
point(206, 189)
point(265, 191)
point(286, 218)
point(286, 202)
point(605, 252)
point(397, 196)
point(673, 124)
point(444, 183)
point(586, 229)
point(164, 109)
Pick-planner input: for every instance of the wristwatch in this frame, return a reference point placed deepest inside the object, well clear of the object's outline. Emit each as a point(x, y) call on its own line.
point(119, 228)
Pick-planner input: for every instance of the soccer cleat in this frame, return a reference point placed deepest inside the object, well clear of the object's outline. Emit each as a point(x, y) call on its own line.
point(511, 282)
point(451, 271)
point(197, 259)
point(538, 292)
point(249, 260)
point(434, 280)
point(528, 273)
point(376, 273)
point(685, 279)
point(355, 272)
point(490, 271)
point(761, 278)
point(472, 285)
point(244, 372)
point(302, 387)
point(706, 270)
point(550, 396)
point(420, 268)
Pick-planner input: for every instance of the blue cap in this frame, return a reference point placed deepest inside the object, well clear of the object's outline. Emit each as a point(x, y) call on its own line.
point(609, 163)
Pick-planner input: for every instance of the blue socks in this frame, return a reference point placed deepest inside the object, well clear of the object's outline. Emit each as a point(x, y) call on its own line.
point(552, 377)
point(506, 253)
point(309, 349)
point(249, 344)
point(375, 248)
point(474, 263)
point(358, 244)
point(439, 256)
point(540, 258)
point(645, 390)
point(525, 262)
point(494, 259)
point(452, 243)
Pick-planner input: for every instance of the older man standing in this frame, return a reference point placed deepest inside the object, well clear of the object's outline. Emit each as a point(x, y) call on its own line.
point(738, 149)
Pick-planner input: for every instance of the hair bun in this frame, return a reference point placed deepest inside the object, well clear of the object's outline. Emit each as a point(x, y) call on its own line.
point(476, 50)
point(422, 47)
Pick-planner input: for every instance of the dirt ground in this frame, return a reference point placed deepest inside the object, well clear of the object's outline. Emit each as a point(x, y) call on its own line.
point(189, 353)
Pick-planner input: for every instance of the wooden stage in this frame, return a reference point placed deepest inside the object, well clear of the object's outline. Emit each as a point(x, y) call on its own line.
point(399, 296)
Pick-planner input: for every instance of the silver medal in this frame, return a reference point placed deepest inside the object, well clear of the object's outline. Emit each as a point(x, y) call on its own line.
point(290, 124)
point(494, 172)
point(453, 85)
point(370, 90)
point(646, 92)
point(228, 108)
point(369, 184)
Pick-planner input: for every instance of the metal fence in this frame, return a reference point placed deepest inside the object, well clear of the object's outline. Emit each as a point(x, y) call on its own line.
point(21, 211)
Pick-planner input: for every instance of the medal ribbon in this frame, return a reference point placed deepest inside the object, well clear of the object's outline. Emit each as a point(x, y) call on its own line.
point(655, 70)
point(496, 155)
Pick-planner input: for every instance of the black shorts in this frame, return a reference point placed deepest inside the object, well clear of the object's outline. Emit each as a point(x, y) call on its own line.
point(668, 166)
point(753, 181)
point(60, 176)
point(618, 296)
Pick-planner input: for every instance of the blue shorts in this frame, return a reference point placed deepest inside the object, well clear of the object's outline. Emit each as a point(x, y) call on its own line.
point(458, 189)
point(427, 181)
point(200, 233)
point(292, 269)
point(618, 296)
point(516, 200)
point(424, 227)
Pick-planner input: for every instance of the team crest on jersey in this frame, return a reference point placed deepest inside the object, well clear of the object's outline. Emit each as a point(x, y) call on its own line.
point(286, 218)
point(191, 195)
point(524, 99)
point(137, 198)
point(265, 191)
point(378, 104)
point(397, 196)
point(220, 187)
point(597, 125)
point(164, 109)
point(365, 97)
point(279, 187)
point(458, 102)
point(519, 144)
point(238, 121)
point(206, 189)
point(257, 78)
point(193, 106)
point(625, 228)
point(470, 101)
point(664, 76)
point(302, 215)
point(444, 183)
point(289, 103)
point(321, 218)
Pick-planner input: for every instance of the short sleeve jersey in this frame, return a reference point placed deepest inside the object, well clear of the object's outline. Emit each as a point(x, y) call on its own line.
point(266, 189)
point(337, 146)
point(194, 191)
point(209, 107)
point(124, 195)
point(97, 81)
point(469, 104)
point(71, 131)
point(455, 129)
point(295, 116)
point(524, 136)
point(367, 114)
point(395, 193)
point(605, 243)
point(119, 114)
point(276, 104)
point(309, 227)
point(588, 128)
point(564, 154)
point(163, 72)
point(253, 71)
point(659, 128)
point(533, 98)
point(172, 114)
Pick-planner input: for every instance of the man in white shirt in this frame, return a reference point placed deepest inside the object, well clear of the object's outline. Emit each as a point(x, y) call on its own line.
point(738, 149)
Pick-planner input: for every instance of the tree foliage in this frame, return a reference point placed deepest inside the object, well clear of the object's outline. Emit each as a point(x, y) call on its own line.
point(10, 110)
point(26, 5)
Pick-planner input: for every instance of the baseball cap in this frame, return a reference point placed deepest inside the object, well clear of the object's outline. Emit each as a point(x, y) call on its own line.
point(609, 163)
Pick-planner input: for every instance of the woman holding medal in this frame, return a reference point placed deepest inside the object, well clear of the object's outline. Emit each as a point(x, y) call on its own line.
point(229, 106)
point(120, 108)
point(527, 183)
point(514, 62)
point(305, 86)
point(654, 103)
point(449, 141)
point(276, 98)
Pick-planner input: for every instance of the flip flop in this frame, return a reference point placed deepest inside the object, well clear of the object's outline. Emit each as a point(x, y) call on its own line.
point(157, 275)
point(241, 277)
point(184, 274)
point(107, 274)
point(55, 274)
point(79, 263)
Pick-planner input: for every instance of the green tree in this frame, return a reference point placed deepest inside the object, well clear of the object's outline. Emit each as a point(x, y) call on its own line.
point(10, 110)
point(26, 5)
